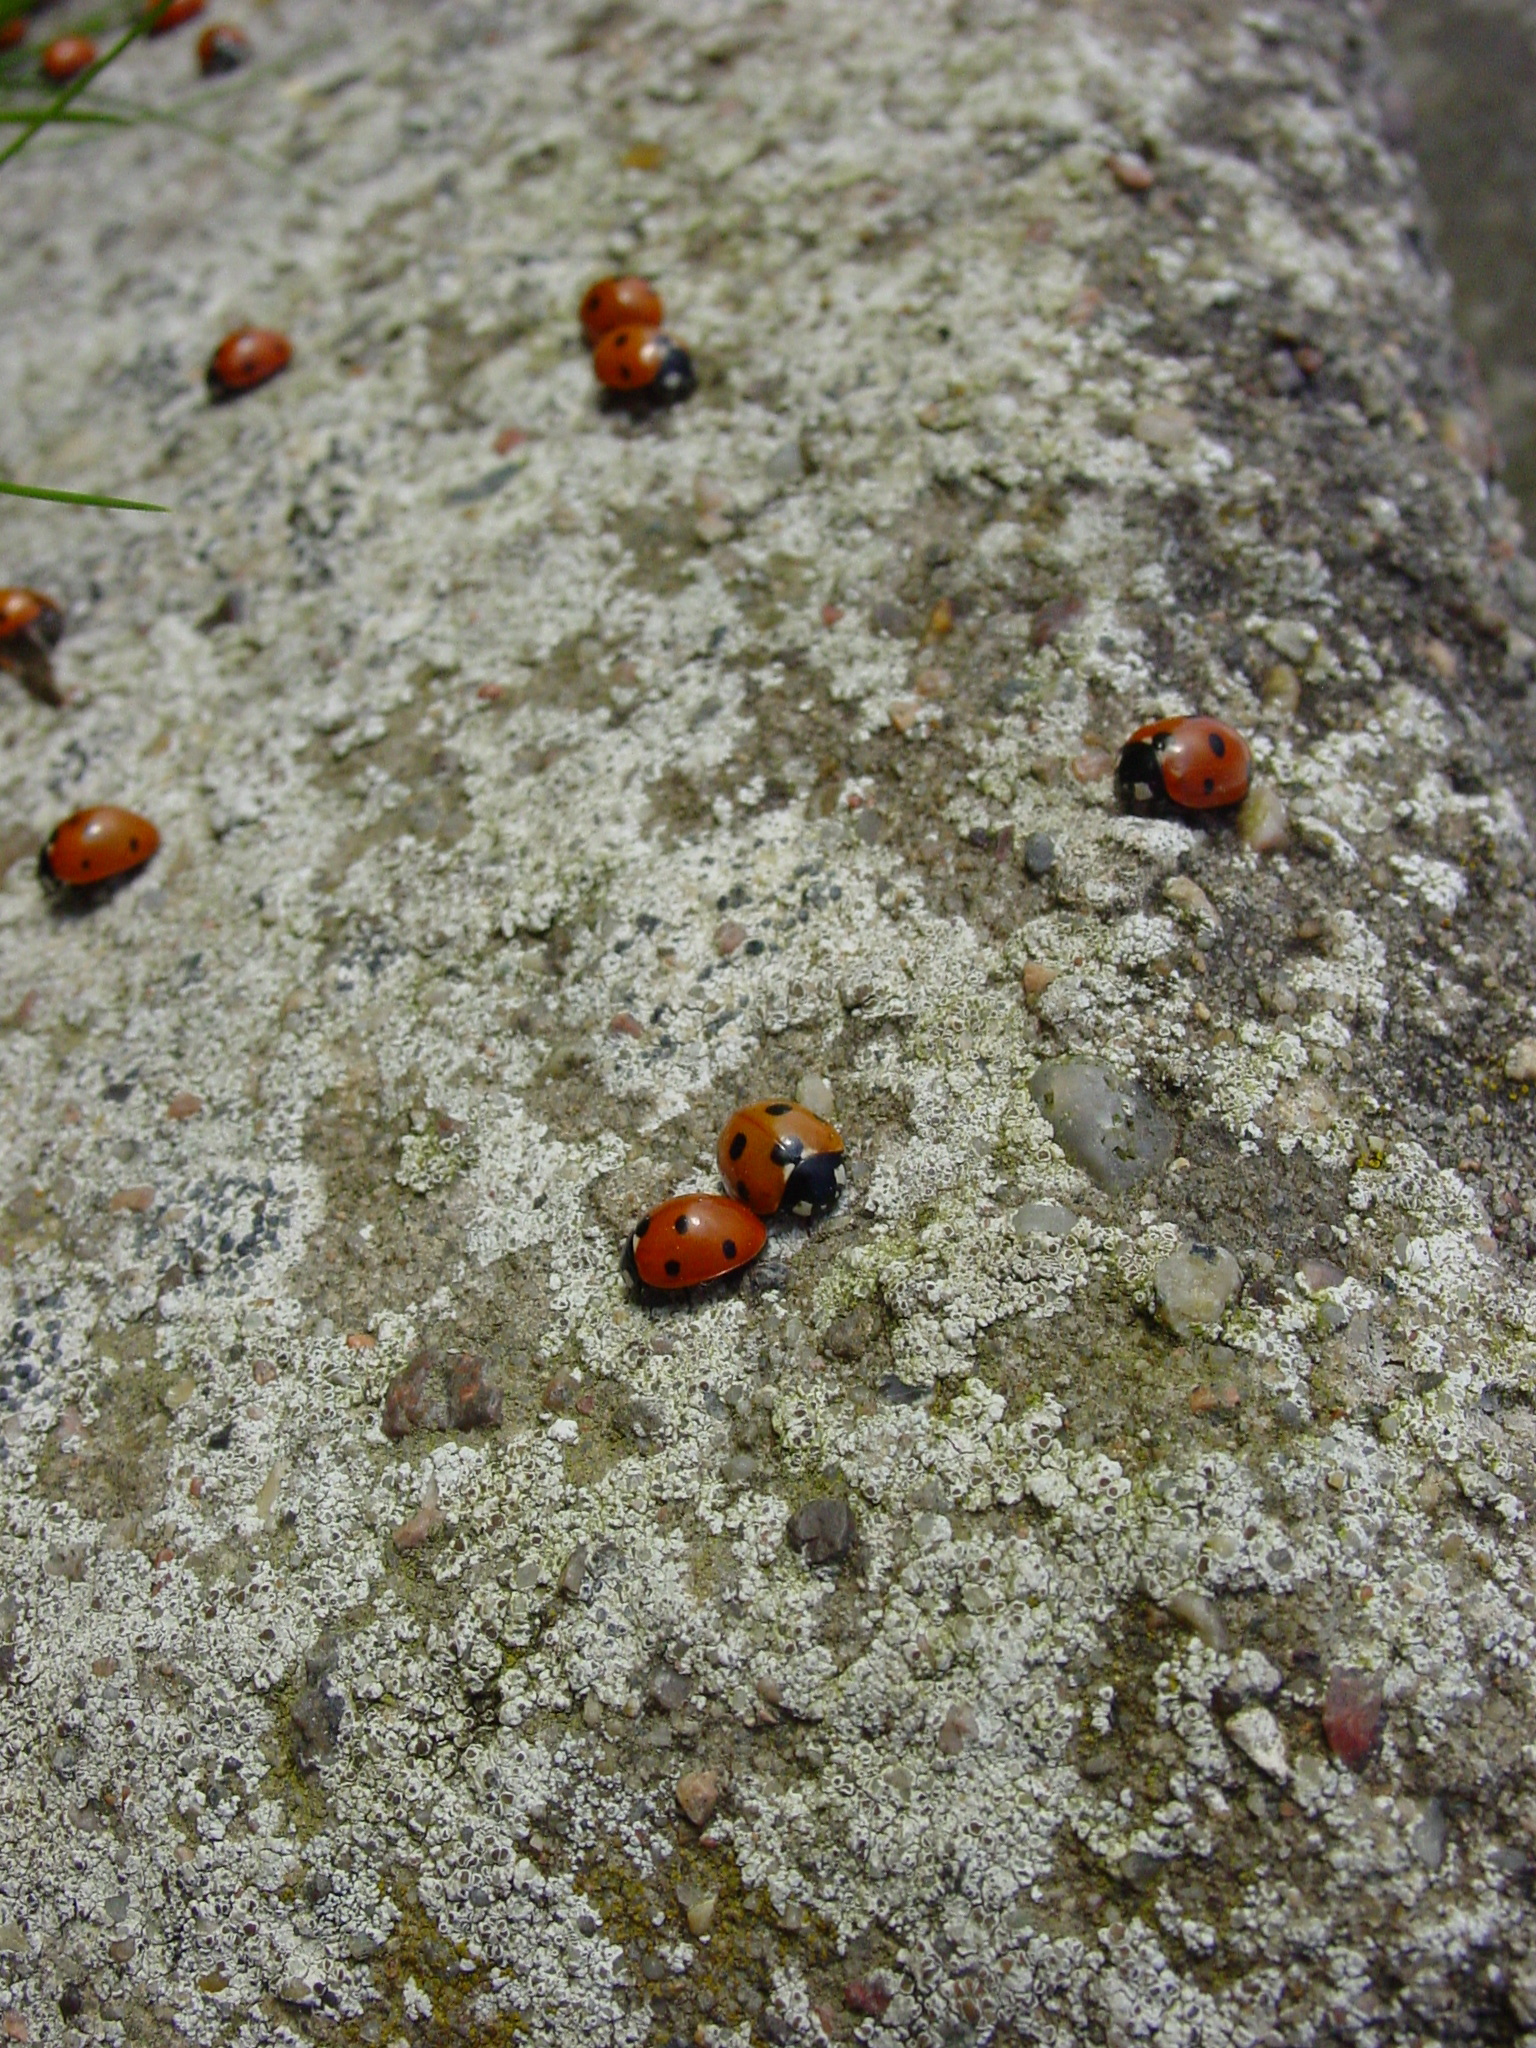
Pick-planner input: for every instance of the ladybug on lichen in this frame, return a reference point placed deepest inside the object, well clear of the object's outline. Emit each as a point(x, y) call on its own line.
point(690, 1240)
point(1183, 764)
point(643, 363)
point(779, 1157)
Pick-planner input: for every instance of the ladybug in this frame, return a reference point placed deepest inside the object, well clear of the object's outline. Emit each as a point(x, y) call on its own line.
point(642, 362)
point(13, 31)
point(691, 1239)
point(246, 358)
point(162, 19)
point(66, 57)
point(1182, 764)
point(619, 302)
point(779, 1156)
point(31, 626)
point(98, 845)
point(221, 48)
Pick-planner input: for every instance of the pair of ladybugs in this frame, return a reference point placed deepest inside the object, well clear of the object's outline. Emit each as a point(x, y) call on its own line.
point(777, 1158)
point(632, 354)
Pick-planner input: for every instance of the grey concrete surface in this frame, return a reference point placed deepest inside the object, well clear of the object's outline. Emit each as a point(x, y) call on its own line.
point(567, 779)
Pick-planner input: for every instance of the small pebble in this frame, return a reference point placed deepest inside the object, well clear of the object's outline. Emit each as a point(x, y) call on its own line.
point(1351, 1714)
point(1093, 764)
point(421, 1527)
point(575, 1572)
point(134, 1200)
point(1200, 1615)
point(1316, 1274)
point(1131, 172)
point(815, 1093)
point(624, 1024)
point(1190, 899)
point(1054, 618)
point(902, 1393)
point(823, 1530)
point(958, 1729)
point(435, 1391)
point(1262, 822)
point(183, 1105)
point(1164, 427)
point(1427, 1836)
point(1258, 1735)
point(1044, 1219)
point(852, 1334)
point(698, 1794)
point(728, 937)
point(1252, 1675)
point(1282, 373)
point(316, 1717)
point(1194, 1287)
point(1109, 1128)
point(1280, 692)
point(1037, 977)
point(866, 1997)
point(1520, 1061)
point(1039, 854)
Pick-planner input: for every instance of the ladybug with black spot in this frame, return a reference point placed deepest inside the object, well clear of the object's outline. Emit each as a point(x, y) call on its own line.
point(781, 1158)
point(100, 844)
point(691, 1240)
point(644, 364)
point(1183, 764)
point(619, 302)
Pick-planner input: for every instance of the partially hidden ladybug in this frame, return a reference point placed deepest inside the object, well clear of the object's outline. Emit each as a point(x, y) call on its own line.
point(779, 1156)
point(691, 1239)
point(222, 47)
point(31, 626)
point(98, 845)
point(163, 19)
point(13, 31)
point(1183, 764)
point(66, 57)
point(619, 302)
point(246, 358)
point(643, 362)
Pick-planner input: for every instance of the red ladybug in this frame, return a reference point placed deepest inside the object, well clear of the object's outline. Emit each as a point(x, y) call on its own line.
point(246, 358)
point(98, 844)
point(221, 48)
point(13, 31)
point(691, 1239)
point(31, 626)
point(642, 361)
point(161, 22)
point(66, 57)
point(619, 302)
point(1183, 764)
point(778, 1155)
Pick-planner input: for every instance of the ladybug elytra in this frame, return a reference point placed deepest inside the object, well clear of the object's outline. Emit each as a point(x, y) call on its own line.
point(644, 362)
point(66, 57)
point(1184, 764)
point(692, 1239)
point(163, 19)
point(97, 845)
point(246, 358)
point(222, 47)
point(780, 1156)
point(618, 302)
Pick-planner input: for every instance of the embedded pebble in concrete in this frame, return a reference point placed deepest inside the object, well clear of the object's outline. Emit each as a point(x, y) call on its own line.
point(1199, 1613)
point(1039, 854)
point(1044, 1219)
point(823, 1531)
point(1352, 1714)
point(1258, 1735)
point(1108, 1126)
point(1194, 1286)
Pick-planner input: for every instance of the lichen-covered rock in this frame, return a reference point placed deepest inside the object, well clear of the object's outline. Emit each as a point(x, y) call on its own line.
point(1108, 1126)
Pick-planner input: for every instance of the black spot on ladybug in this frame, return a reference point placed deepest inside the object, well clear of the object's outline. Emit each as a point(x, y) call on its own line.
point(738, 1144)
point(778, 1109)
point(1218, 746)
point(681, 1225)
point(642, 1226)
point(729, 1247)
point(1210, 784)
point(674, 1267)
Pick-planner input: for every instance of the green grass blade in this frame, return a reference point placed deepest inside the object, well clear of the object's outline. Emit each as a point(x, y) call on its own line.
point(79, 498)
point(55, 107)
point(15, 117)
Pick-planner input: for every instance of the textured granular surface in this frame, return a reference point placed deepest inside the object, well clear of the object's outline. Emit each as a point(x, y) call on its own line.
point(538, 782)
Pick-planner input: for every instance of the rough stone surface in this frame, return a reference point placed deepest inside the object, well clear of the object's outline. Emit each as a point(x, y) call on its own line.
point(468, 712)
point(1107, 1125)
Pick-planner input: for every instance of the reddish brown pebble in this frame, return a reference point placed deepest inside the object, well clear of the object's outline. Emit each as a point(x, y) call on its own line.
point(1038, 977)
point(861, 1996)
point(1132, 173)
point(830, 614)
point(1093, 764)
point(508, 439)
point(424, 1524)
point(1351, 1715)
point(626, 1025)
point(490, 693)
point(941, 619)
point(183, 1105)
point(360, 1340)
point(698, 1795)
point(1309, 360)
point(263, 1372)
point(728, 937)
point(1202, 1401)
point(135, 1199)
point(1054, 618)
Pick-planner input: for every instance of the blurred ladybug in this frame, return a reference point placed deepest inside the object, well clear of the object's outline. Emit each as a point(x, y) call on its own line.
point(13, 31)
point(619, 302)
point(692, 1239)
point(780, 1156)
point(98, 845)
point(642, 362)
point(1183, 764)
point(66, 57)
point(163, 19)
point(246, 358)
point(222, 47)
point(31, 626)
